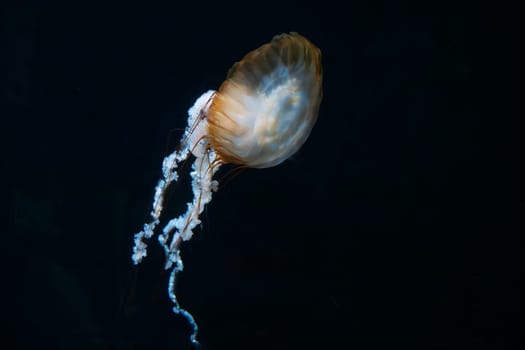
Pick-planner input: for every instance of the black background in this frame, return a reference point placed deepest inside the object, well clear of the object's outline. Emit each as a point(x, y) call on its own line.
point(395, 226)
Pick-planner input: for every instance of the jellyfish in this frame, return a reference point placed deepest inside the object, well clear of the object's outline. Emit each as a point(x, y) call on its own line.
point(261, 115)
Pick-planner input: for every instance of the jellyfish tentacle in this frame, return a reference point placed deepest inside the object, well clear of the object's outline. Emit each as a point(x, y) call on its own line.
point(170, 175)
point(193, 137)
point(176, 307)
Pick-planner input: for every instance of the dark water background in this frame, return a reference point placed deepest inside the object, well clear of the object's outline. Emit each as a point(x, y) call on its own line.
point(395, 226)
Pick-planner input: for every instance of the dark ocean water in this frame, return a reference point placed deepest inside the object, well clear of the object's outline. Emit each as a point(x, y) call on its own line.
point(396, 225)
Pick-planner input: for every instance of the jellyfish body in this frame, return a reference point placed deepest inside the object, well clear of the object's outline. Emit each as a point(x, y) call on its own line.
point(261, 115)
point(265, 110)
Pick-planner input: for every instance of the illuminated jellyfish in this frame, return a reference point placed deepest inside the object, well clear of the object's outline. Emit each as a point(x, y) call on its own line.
point(260, 116)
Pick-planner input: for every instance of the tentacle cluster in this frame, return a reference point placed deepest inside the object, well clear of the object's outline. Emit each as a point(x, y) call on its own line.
point(178, 229)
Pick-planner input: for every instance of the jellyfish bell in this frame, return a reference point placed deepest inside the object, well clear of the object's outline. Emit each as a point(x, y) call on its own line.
point(261, 115)
point(266, 108)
